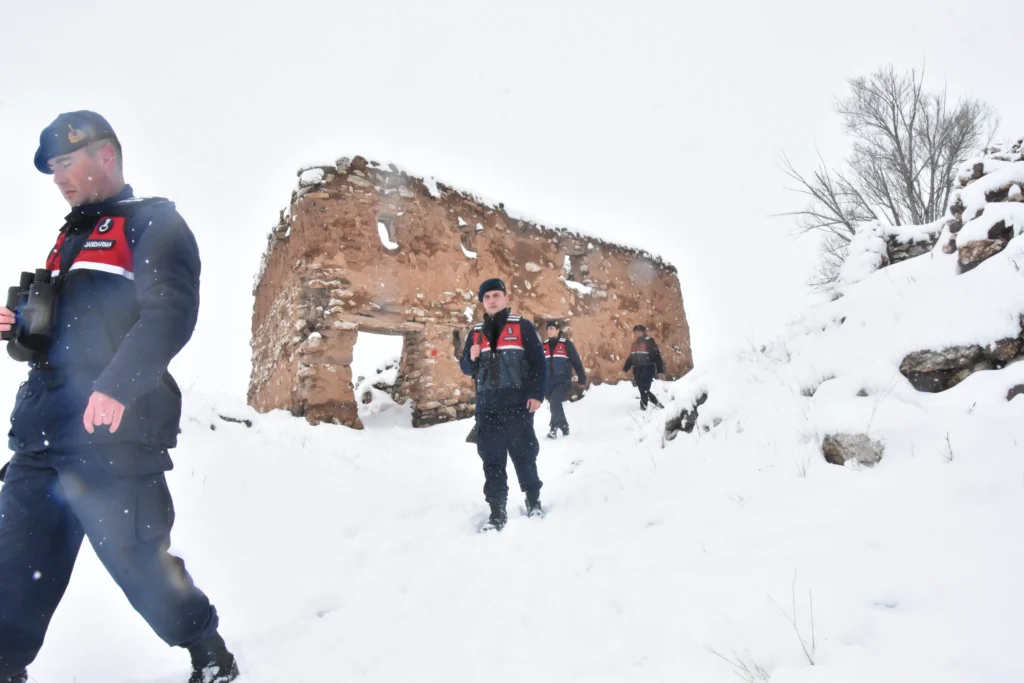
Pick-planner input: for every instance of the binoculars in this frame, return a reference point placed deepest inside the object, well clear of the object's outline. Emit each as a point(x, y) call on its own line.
point(32, 303)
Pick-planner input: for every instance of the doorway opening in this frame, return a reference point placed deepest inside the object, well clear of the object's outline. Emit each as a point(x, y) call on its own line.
point(376, 360)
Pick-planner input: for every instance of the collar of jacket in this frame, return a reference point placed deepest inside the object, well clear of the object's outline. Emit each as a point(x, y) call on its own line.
point(498, 319)
point(97, 209)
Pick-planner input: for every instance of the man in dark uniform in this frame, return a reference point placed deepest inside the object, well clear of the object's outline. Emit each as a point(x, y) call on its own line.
point(93, 423)
point(646, 362)
point(562, 360)
point(505, 357)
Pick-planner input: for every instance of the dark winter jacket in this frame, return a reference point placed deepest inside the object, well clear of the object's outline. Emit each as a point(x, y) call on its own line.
point(644, 358)
point(128, 307)
point(511, 367)
point(562, 360)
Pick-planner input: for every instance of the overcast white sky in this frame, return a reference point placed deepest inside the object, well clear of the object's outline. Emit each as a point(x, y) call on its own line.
point(655, 123)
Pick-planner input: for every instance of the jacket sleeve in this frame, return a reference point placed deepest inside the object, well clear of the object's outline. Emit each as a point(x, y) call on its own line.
point(468, 365)
point(167, 266)
point(659, 362)
point(629, 363)
point(577, 364)
point(536, 381)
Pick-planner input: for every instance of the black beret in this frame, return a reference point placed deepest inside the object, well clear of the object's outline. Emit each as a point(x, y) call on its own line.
point(492, 285)
point(68, 133)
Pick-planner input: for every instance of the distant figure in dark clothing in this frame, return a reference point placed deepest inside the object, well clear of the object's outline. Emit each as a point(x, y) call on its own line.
point(646, 362)
point(562, 360)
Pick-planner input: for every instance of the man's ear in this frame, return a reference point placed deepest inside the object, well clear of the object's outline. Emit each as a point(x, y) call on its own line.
point(108, 155)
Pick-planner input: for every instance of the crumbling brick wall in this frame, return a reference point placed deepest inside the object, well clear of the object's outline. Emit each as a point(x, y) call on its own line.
point(367, 247)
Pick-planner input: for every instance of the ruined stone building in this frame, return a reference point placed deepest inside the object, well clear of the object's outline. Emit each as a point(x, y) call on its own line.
point(368, 247)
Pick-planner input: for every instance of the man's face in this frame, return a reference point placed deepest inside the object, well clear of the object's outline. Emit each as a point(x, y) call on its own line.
point(639, 334)
point(495, 302)
point(82, 177)
point(552, 332)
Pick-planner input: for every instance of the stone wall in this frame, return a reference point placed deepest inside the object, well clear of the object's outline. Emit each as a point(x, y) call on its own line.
point(366, 247)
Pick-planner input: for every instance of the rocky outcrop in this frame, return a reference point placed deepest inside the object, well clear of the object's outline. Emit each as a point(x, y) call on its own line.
point(877, 245)
point(986, 208)
point(840, 449)
point(972, 254)
point(685, 421)
point(369, 247)
point(900, 248)
point(936, 371)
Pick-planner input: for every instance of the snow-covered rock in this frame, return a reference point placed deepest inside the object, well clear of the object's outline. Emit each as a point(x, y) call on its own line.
point(985, 212)
point(840, 449)
point(312, 176)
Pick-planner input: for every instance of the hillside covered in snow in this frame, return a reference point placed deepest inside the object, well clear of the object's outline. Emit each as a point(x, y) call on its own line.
point(714, 541)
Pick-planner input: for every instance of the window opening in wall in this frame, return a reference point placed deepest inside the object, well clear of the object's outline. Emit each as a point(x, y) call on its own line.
point(466, 238)
point(386, 231)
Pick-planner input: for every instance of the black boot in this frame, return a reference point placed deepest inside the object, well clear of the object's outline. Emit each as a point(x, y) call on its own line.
point(533, 506)
point(565, 430)
point(17, 678)
point(211, 662)
point(498, 517)
point(553, 434)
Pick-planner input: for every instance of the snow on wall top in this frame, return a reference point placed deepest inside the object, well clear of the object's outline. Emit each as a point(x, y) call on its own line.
point(439, 189)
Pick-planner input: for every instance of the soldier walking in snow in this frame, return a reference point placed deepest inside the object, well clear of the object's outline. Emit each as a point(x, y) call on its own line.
point(505, 357)
point(646, 362)
point(562, 360)
point(94, 420)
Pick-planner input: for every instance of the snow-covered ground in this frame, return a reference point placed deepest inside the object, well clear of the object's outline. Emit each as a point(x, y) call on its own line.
point(336, 555)
point(734, 552)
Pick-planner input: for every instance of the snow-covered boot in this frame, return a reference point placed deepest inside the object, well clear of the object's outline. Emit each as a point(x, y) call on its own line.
point(553, 434)
point(17, 678)
point(498, 517)
point(533, 506)
point(211, 661)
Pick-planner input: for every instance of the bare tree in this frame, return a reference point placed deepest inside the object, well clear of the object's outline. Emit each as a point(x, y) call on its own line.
point(832, 251)
point(907, 146)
